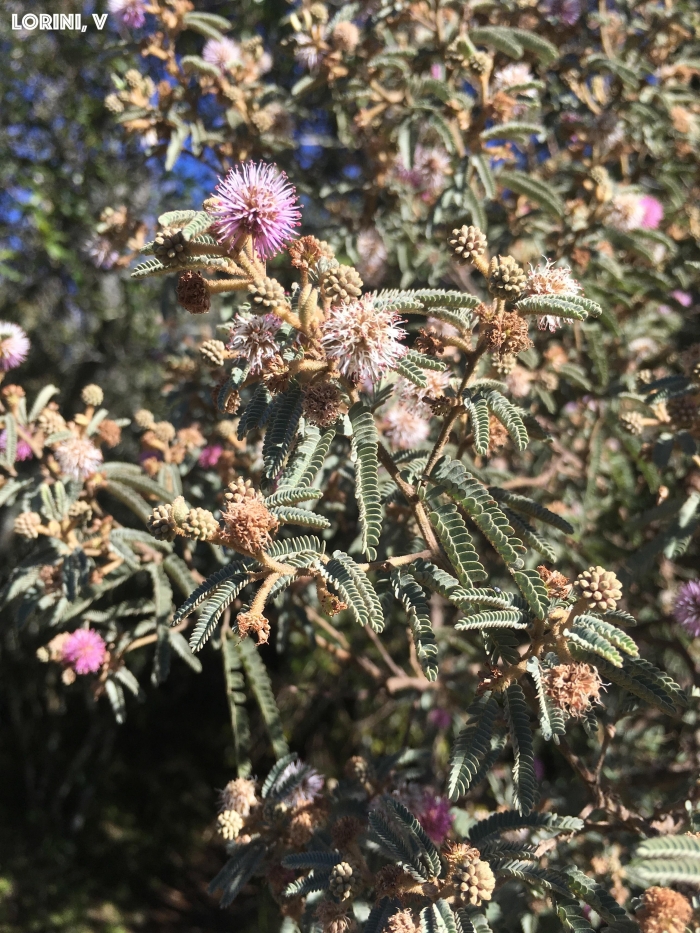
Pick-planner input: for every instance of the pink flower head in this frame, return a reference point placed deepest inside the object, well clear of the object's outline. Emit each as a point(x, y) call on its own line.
point(85, 651)
point(309, 787)
point(653, 212)
point(683, 298)
point(256, 199)
point(435, 817)
point(78, 457)
point(24, 451)
point(222, 52)
point(363, 338)
point(132, 13)
point(254, 338)
point(687, 609)
point(209, 457)
point(404, 428)
point(440, 718)
point(14, 345)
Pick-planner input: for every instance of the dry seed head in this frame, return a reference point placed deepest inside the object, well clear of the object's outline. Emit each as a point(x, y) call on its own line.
point(329, 602)
point(474, 882)
point(343, 880)
point(467, 244)
point(663, 911)
point(322, 404)
point(506, 279)
point(27, 524)
point(301, 829)
point(253, 623)
point(92, 395)
point(164, 431)
point(192, 292)
point(341, 284)
point(600, 588)
point(334, 918)
point(390, 881)
point(144, 419)
point(214, 352)
point(229, 824)
point(161, 523)
point(266, 295)
point(573, 688)
point(200, 525)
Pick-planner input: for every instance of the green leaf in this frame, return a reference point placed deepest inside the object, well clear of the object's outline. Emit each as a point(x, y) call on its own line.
point(409, 370)
point(234, 569)
point(424, 361)
point(533, 589)
point(516, 129)
point(252, 414)
point(509, 417)
point(281, 431)
point(614, 635)
point(129, 498)
point(552, 720)
point(458, 544)
point(479, 416)
point(239, 869)
point(529, 536)
point(535, 190)
point(584, 637)
point(213, 610)
point(571, 307)
point(531, 508)
point(471, 745)
point(364, 446)
point(41, 401)
point(494, 618)
point(261, 686)
point(598, 898)
point(511, 819)
point(291, 516)
point(9, 455)
point(413, 599)
point(498, 37)
point(543, 48)
point(518, 718)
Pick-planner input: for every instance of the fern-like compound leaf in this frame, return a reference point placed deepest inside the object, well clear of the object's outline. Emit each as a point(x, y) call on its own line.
point(214, 609)
point(492, 618)
point(291, 516)
point(471, 746)
point(281, 432)
point(414, 601)
point(252, 414)
point(478, 412)
point(518, 718)
point(260, 683)
point(458, 544)
point(375, 612)
point(509, 416)
point(234, 569)
point(530, 508)
point(364, 445)
point(284, 497)
point(570, 307)
point(512, 819)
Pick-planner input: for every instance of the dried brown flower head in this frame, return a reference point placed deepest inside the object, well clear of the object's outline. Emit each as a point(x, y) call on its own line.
point(558, 586)
point(192, 292)
point(345, 831)
point(239, 795)
point(247, 526)
point(329, 602)
point(663, 911)
point(253, 623)
point(498, 435)
point(600, 588)
point(323, 404)
point(402, 922)
point(333, 917)
point(573, 688)
point(109, 432)
point(306, 252)
point(506, 334)
point(390, 881)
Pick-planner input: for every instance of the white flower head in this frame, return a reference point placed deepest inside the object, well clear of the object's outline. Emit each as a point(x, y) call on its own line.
point(515, 75)
point(549, 279)
point(254, 337)
point(363, 338)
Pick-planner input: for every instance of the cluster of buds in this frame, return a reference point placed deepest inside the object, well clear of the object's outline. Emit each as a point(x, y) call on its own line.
point(599, 588)
point(162, 443)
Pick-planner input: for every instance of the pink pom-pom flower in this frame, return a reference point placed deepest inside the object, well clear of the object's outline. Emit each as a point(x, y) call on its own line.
point(85, 651)
point(14, 345)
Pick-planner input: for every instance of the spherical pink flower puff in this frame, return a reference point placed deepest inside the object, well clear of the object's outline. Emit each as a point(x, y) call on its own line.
point(653, 212)
point(685, 299)
point(85, 651)
point(24, 451)
point(221, 52)
point(209, 457)
point(256, 199)
point(363, 338)
point(308, 788)
point(14, 345)
point(78, 457)
point(687, 609)
point(255, 338)
point(435, 817)
point(440, 718)
point(132, 13)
